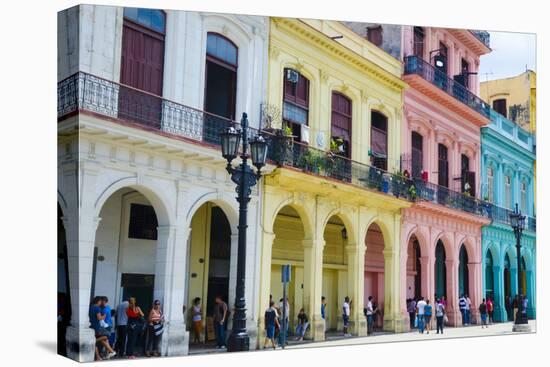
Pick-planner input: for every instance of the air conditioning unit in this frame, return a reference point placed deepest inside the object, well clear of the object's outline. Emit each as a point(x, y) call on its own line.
point(292, 76)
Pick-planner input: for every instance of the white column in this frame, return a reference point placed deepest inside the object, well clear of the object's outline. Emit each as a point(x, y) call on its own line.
point(170, 275)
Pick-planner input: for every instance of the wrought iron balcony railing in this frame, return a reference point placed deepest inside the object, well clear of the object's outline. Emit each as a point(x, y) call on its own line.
point(483, 36)
point(502, 215)
point(416, 65)
point(83, 91)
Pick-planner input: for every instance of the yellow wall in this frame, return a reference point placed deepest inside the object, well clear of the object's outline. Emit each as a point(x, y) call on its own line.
point(352, 66)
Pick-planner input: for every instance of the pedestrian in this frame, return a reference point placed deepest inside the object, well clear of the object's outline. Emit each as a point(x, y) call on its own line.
point(135, 320)
point(483, 313)
point(346, 312)
point(369, 314)
point(108, 312)
point(411, 309)
point(439, 315)
point(508, 307)
point(427, 316)
point(101, 328)
point(462, 306)
point(121, 322)
point(524, 305)
point(303, 323)
point(490, 309)
point(196, 317)
point(444, 301)
point(220, 315)
point(515, 306)
point(271, 322)
point(468, 309)
point(420, 306)
point(324, 312)
point(283, 334)
point(155, 328)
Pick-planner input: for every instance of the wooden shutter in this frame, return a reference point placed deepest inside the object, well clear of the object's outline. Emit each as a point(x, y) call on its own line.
point(341, 119)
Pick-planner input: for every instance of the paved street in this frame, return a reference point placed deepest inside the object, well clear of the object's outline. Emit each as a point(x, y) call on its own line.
point(459, 332)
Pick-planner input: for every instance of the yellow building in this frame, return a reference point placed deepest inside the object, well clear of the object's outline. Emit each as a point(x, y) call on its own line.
point(332, 217)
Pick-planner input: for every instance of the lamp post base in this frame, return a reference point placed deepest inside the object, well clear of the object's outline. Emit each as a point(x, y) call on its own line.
point(521, 328)
point(239, 342)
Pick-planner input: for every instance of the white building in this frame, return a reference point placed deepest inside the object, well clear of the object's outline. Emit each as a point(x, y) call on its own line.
point(148, 209)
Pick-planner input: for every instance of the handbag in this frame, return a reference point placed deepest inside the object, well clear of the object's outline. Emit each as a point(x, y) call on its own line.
point(158, 328)
point(445, 319)
point(103, 332)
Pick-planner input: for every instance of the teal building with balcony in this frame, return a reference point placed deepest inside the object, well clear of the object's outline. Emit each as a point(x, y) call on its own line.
point(507, 157)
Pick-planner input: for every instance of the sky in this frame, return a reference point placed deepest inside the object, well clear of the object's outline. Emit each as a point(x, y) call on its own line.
point(511, 52)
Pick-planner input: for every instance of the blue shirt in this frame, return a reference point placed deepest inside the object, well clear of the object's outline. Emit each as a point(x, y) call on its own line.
point(323, 310)
point(428, 310)
point(94, 310)
point(107, 312)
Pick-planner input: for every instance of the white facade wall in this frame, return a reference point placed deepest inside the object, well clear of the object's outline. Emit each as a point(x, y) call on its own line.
point(100, 162)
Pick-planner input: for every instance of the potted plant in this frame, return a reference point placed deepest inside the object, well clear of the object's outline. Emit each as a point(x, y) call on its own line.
point(282, 142)
point(412, 192)
point(311, 161)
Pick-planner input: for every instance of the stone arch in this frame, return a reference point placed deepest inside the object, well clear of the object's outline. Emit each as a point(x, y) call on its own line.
point(470, 245)
point(493, 248)
point(422, 240)
point(450, 251)
point(346, 219)
point(306, 219)
point(386, 232)
point(154, 195)
point(214, 197)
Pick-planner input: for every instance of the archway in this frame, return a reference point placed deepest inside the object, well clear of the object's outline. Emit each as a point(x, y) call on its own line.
point(374, 270)
point(440, 270)
point(288, 248)
point(489, 276)
point(209, 264)
point(508, 288)
point(63, 288)
point(335, 271)
point(414, 269)
point(463, 275)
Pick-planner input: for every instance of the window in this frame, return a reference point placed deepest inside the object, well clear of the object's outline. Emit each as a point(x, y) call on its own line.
point(374, 35)
point(379, 140)
point(295, 101)
point(507, 191)
point(150, 18)
point(465, 69)
point(490, 184)
point(142, 66)
point(341, 121)
point(417, 154)
point(441, 58)
point(143, 222)
point(499, 105)
point(418, 47)
point(443, 166)
point(523, 197)
point(221, 76)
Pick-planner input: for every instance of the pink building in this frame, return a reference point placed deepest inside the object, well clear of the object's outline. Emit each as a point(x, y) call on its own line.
point(441, 233)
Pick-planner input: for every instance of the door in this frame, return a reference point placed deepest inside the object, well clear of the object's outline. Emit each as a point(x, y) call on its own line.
point(141, 287)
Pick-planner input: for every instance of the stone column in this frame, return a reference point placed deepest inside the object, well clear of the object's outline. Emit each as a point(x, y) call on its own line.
point(233, 277)
point(265, 282)
point(513, 281)
point(499, 312)
point(313, 283)
point(475, 290)
point(453, 311)
point(356, 289)
point(393, 320)
point(403, 290)
point(531, 311)
point(427, 288)
point(80, 229)
point(170, 277)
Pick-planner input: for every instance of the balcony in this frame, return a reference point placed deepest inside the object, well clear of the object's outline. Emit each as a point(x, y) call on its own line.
point(502, 215)
point(456, 97)
point(512, 131)
point(120, 103)
point(483, 36)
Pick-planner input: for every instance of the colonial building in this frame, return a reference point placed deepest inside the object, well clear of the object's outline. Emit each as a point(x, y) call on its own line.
point(330, 207)
point(147, 207)
point(508, 176)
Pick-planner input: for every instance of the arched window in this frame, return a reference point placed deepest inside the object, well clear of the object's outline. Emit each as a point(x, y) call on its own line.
point(221, 76)
point(418, 47)
point(417, 154)
point(489, 275)
point(295, 101)
point(341, 122)
point(443, 165)
point(379, 140)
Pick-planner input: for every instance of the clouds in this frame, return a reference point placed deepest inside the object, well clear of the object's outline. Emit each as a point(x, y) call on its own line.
point(511, 53)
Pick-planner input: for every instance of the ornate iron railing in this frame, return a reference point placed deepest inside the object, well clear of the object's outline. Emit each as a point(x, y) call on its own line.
point(416, 65)
point(502, 215)
point(483, 36)
point(83, 91)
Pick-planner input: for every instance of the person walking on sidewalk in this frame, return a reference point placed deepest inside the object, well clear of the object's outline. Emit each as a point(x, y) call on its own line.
point(439, 315)
point(462, 306)
point(271, 321)
point(121, 322)
point(155, 328)
point(220, 315)
point(369, 313)
point(420, 308)
point(324, 313)
point(411, 309)
point(490, 310)
point(196, 317)
point(468, 309)
point(483, 314)
point(427, 316)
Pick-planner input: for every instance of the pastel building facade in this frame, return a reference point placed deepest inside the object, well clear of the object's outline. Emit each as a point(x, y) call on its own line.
point(328, 208)
point(508, 176)
point(441, 233)
point(146, 208)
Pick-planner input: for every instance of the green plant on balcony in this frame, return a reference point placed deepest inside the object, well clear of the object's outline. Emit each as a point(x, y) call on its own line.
point(412, 192)
point(311, 161)
point(336, 145)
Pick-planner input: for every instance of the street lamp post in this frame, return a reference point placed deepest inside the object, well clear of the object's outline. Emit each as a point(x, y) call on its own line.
point(245, 178)
point(517, 221)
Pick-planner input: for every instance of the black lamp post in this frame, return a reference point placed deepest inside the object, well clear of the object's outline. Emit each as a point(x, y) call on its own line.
point(245, 178)
point(517, 221)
